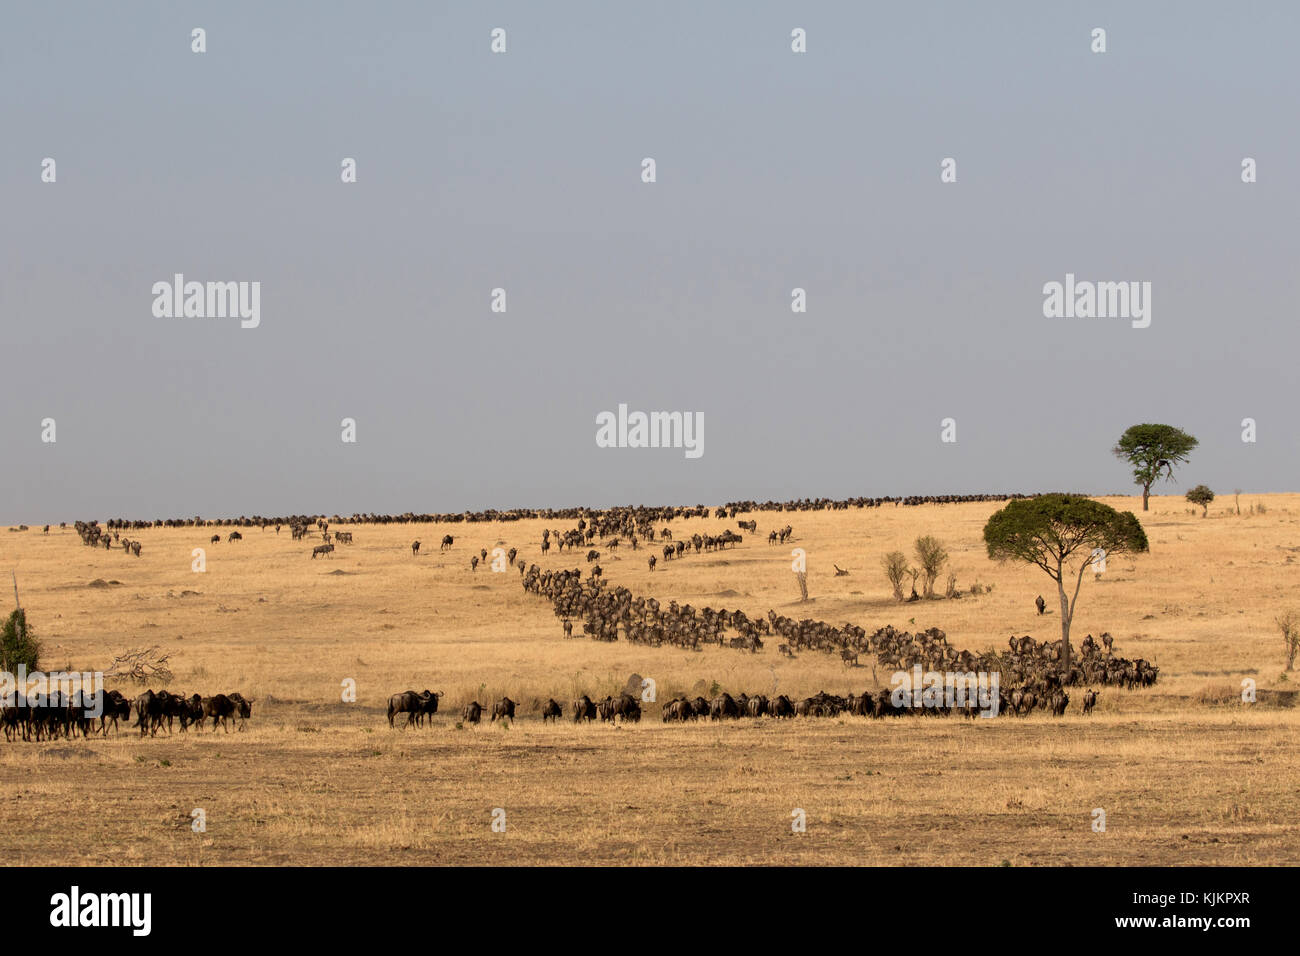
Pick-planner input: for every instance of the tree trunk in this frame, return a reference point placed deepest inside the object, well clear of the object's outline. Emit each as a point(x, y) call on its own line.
point(1065, 624)
point(1146, 493)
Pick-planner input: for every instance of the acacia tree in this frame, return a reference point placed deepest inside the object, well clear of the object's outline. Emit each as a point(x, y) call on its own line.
point(930, 558)
point(1060, 533)
point(895, 565)
point(1152, 449)
point(1203, 496)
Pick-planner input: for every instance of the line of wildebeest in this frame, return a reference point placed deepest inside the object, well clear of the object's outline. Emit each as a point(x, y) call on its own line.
point(63, 714)
point(1019, 701)
point(638, 512)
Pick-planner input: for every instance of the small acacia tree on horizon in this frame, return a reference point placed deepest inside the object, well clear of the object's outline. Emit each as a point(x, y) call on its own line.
point(1203, 496)
point(1059, 533)
point(1152, 449)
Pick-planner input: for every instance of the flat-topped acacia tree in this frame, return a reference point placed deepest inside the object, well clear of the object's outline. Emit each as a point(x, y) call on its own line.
point(1059, 533)
point(1152, 449)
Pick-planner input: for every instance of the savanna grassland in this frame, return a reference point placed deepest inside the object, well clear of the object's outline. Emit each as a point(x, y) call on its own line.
point(1184, 771)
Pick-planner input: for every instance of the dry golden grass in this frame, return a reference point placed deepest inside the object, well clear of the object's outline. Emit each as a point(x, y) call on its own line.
point(1185, 773)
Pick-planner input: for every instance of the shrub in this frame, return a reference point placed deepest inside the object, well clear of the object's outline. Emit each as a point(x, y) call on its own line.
point(18, 645)
point(931, 557)
point(895, 565)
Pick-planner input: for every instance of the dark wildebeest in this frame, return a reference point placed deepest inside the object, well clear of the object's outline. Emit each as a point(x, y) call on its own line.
point(1040, 604)
point(628, 708)
point(215, 539)
point(116, 707)
point(192, 712)
point(16, 719)
point(723, 706)
point(235, 536)
point(148, 712)
point(220, 708)
point(652, 562)
point(848, 657)
point(429, 707)
point(409, 703)
point(473, 712)
point(583, 709)
point(446, 542)
point(1089, 701)
point(505, 709)
point(552, 711)
point(415, 548)
point(473, 563)
point(781, 707)
point(324, 549)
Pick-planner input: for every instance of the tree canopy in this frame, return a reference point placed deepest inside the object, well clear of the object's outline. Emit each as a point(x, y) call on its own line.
point(1152, 450)
point(1203, 496)
point(1060, 534)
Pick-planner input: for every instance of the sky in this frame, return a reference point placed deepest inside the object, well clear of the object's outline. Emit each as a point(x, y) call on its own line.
point(522, 170)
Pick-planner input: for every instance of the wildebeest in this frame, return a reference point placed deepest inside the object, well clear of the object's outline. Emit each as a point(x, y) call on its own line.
point(1089, 701)
point(473, 563)
point(324, 549)
point(552, 711)
point(148, 712)
point(583, 709)
point(415, 548)
point(849, 658)
point(723, 706)
point(505, 709)
point(221, 708)
point(216, 538)
point(473, 712)
point(1040, 604)
point(191, 711)
point(414, 706)
point(652, 562)
point(115, 706)
point(235, 536)
point(446, 542)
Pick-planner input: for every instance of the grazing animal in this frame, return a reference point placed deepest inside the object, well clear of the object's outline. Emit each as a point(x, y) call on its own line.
point(584, 709)
point(415, 548)
point(840, 572)
point(235, 536)
point(1089, 701)
point(473, 563)
point(505, 709)
point(221, 709)
point(408, 703)
point(215, 539)
point(552, 711)
point(473, 712)
point(1040, 604)
point(324, 549)
point(848, 657)
point(652, 562)
point(446, 542)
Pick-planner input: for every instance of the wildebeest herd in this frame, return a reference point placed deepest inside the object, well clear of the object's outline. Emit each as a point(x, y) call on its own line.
point(63, 714)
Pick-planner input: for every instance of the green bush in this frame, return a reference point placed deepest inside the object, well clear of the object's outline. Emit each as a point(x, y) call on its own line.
point(18, 645)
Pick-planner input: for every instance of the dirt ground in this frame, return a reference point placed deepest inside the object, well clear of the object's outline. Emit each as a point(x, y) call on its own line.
point(1184, 772)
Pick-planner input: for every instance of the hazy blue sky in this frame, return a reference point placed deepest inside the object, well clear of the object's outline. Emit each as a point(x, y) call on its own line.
point(522, 171)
